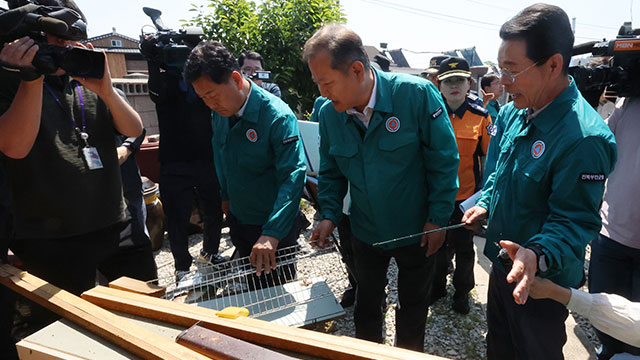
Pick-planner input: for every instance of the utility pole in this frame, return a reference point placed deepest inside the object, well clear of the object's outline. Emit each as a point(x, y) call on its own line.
point(573, 25)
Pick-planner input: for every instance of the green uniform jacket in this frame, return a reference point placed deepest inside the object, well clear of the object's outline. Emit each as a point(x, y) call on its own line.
point(320, 100)
point(260, 163)
point(548, 182)
point(494, 108)
point(403, 173)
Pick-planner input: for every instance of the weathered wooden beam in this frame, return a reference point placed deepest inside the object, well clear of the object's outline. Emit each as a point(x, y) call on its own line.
point(214, 344)
point(248, 329)
point(28, 350)
point(137, 286)
point(121, 332)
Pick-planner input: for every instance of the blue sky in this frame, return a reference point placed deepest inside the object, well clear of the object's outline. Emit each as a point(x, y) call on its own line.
point(419, 26)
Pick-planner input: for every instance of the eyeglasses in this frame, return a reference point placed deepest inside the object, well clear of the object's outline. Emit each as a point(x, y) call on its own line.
point(250, 70)
point(511, 76)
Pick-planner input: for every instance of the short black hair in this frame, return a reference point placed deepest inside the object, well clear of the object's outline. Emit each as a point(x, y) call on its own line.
point(487, 80)
point(210, 58)
point(545, 29)
point(343, 45)
point(250, 55)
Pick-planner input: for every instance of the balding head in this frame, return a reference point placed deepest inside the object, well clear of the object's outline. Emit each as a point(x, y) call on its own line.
point(342, 44)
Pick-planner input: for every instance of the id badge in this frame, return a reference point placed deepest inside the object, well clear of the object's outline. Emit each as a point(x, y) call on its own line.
point(92, 157)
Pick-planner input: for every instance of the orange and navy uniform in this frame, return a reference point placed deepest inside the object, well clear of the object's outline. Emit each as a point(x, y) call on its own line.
point(472, 127)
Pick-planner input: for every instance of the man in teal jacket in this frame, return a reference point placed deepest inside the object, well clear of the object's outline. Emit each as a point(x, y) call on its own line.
point(258, 155)
point(389, 137)
point(554, 155)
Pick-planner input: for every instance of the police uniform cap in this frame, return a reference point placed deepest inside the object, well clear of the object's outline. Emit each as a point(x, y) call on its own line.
point(454, 66)
point(434, 65)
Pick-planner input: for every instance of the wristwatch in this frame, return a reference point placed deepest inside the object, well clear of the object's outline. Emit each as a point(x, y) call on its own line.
point(541, 258)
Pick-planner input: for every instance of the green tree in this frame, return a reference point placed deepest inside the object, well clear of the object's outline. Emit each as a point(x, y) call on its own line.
point(277, 29)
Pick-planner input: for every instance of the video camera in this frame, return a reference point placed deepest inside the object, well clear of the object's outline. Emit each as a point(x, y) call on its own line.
point(261, 75)
point(31, 19)
point(621, 76)
point(167, 47)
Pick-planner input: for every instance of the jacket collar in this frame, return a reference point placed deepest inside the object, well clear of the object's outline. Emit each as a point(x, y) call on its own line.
point(254, 103)
point(383, 96)
point(556, 110)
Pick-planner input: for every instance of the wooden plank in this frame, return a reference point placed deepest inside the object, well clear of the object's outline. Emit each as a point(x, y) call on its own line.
point(137, 286)
point(31, 351)
point(123, 333)
point(248, 329)
point(214, 344)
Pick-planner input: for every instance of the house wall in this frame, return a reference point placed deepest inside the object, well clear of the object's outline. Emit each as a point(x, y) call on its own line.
point(106, 43)
point(138, 66)
point(117, 65)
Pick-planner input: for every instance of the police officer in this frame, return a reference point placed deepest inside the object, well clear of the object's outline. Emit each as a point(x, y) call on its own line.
point(471, 125)
point(431, 73)
point(545, 192)
point(389, 137)
point(258, 155)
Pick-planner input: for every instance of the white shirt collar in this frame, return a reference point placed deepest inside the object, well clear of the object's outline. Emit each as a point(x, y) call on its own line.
point(365, 115)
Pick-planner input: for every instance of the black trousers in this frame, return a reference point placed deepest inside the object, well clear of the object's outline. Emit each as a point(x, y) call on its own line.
point(180, 184)
point(68, 263)
point(136, 262)
point(531, 331)
point(615, 269)
point(415, 272)
point(244, 236)
point(346, 251)
point(459, 242)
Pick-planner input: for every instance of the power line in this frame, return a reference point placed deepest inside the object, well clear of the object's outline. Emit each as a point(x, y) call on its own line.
point(514, 11)
point(433, 15)
point(450, 18)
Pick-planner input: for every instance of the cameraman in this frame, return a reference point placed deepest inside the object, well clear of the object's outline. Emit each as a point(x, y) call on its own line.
point(251, 62)
point(187, 170)
point(615, 253)
point(68, 207)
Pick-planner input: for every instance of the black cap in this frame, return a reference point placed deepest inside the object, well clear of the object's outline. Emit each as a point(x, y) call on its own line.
point(434, 64)
point(454, 66)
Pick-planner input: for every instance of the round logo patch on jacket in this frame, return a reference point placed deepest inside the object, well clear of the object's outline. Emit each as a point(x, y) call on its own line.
point(537, 149)
point(393, 124)
point(252, 135)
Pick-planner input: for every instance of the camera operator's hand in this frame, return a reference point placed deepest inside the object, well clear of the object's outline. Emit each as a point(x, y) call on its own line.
point(102, 87)
point(19, 53)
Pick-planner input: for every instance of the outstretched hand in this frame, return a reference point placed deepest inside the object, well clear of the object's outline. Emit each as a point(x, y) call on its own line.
point(523, 271)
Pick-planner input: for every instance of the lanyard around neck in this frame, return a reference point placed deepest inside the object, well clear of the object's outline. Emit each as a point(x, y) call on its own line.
point(82, 132)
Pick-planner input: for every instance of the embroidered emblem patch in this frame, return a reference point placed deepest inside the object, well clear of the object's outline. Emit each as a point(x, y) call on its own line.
point(537, 149)
point(393, 124)
point(252, 135)
point(492, 129)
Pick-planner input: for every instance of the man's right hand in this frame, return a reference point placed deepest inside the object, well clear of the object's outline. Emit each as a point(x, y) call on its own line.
point(474, 217)
point(225, 207)
point(320, 236)
point(19, 53)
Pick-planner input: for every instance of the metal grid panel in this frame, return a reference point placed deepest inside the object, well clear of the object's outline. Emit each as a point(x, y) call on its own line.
point(304, 275)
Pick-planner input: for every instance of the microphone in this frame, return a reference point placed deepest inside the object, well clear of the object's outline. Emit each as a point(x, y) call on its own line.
point(47, 24)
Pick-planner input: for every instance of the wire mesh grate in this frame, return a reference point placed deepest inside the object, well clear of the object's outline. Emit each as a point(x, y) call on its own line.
point(303, 286)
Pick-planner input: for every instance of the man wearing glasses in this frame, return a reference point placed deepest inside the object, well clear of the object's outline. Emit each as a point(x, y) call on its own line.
point(250, 64)
point(554, 155)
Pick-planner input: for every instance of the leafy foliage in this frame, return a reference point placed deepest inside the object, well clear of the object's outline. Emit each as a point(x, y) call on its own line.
point(277, 29)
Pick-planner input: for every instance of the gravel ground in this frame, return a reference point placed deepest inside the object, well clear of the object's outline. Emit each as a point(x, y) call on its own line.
point(448, 334)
